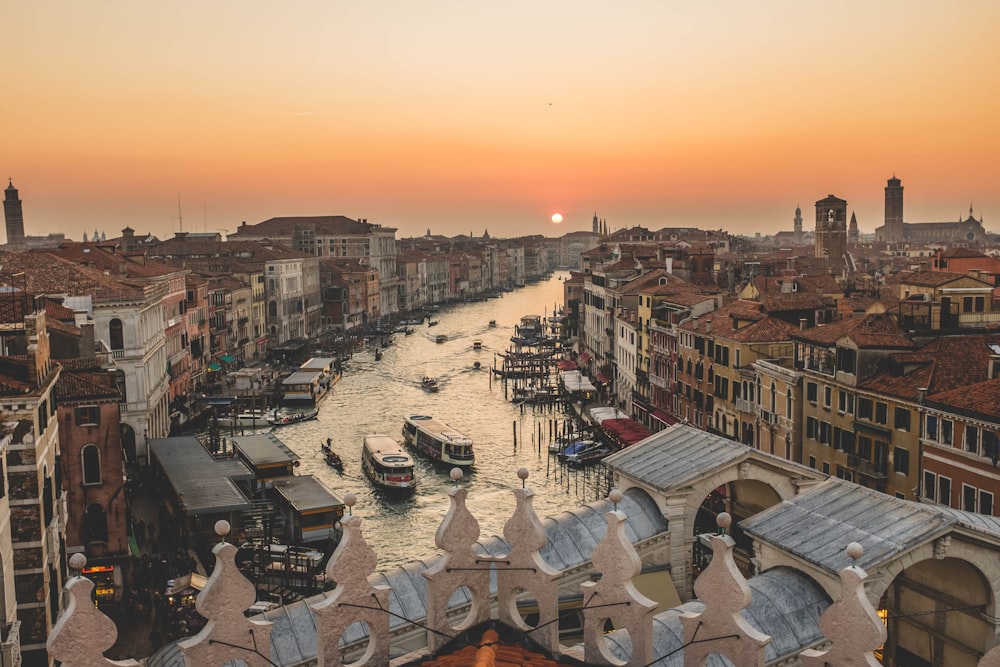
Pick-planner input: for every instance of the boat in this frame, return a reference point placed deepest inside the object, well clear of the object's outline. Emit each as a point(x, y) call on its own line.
point(432, 323)
point(493, 324)
point(583, 452)
point(378, 355)
point(430, 384)
point(438, 441)
point(386, 464)
point(476, 365)
point(477, 344)
point(331, 457)
point(247, 419)
point(285, 418)
point(440, 338)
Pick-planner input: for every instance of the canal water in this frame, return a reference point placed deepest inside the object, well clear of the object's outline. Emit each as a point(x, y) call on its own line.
point(375, 397)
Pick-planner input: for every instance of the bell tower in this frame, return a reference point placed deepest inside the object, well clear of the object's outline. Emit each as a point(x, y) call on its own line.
point(894, 210)
point(831, 228)
point(12, 215)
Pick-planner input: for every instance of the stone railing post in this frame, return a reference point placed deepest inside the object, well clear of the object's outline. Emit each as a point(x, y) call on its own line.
point(83, 633)
point(228, 636)
point(354, 599)
point(721, 628)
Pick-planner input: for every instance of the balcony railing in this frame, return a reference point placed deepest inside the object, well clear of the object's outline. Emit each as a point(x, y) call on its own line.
point(873, 469)
point(744, 405)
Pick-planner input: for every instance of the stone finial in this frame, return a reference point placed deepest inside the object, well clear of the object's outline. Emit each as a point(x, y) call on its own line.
point(524, 569)
point(851, 624)
point(458, 566)
point(83, 633)
point(222, 528)
point(615, 596)
point(354, 599)
point(615, 496)
point(725, 593)
point(350, 500)
point(228, 633)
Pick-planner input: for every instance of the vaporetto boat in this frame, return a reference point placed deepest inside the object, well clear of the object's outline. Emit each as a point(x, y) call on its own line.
point(386, 464)
point(438, 441)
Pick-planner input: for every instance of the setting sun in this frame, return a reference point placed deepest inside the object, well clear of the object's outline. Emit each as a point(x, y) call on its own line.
point(557, 218)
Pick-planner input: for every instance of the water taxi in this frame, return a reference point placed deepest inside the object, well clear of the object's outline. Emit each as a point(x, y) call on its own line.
point(247, 419)
point(477, 344)
point(438, 441)
point(386, 464)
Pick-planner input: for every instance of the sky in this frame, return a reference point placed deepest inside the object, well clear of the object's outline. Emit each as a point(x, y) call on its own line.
point(471, 116)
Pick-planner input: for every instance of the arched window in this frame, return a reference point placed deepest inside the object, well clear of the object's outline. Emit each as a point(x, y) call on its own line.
point(788, 404)
point(272, 309)
point(91, 459)
point(774, 398)
point(116, 334)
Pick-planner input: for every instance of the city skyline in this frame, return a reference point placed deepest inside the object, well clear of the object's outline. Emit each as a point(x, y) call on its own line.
point(468, 117)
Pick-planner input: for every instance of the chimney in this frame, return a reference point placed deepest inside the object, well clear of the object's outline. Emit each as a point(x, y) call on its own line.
point(921, 395)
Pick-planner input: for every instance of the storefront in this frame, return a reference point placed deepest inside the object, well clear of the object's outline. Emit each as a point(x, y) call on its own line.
point(108, 584)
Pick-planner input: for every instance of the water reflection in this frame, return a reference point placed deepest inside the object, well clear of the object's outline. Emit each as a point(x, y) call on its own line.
point(375, 396)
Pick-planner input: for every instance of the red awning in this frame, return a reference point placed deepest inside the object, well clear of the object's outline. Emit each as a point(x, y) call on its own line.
point(566, 365)
point(585, 356)
point(661, 416)
point(603, 379)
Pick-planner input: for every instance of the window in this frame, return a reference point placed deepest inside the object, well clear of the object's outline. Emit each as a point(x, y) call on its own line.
point(91, 458)
point(826, 468)
point(827, 396)
point(902, 419)
point(944, 490)
point(864, 448)
point(881, 413)
point(847, 360)
point(986, 503)
point(812, 462)
point(930, 485)
point(901, 460)
point(946, 431)
point(88, 415)
point(812, 428)
point(788, 404)
point(969, 498)
point(990, 449)
point(932, 427)
point(864, 408)
point(811, 392)
point(971, 439)
point(116, 334)
point(824, 433)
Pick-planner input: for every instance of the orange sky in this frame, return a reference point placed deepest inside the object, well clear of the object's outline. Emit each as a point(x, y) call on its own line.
point(470, 116)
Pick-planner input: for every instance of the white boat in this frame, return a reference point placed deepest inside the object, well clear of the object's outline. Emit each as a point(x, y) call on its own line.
point(477, 344)
point(438, 441)
point(386, 464)
point(430, 384)
point(247, 419)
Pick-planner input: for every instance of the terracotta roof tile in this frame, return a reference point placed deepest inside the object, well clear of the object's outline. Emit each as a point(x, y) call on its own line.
point(877, 330)
point(982, 399)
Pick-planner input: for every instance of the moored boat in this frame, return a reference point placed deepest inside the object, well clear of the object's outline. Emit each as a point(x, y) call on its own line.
point(438, 441)
point(246, 419)
point(386, 464)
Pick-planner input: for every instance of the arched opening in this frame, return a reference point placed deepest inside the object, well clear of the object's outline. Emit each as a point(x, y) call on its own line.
point(90, 457)
point(116, 334)
point(272, 309)
point(742, 499)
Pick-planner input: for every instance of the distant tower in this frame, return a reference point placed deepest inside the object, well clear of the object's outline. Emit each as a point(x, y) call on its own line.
point(831, 228)
point(893, 211)
point(597, 224)
point(13, 217)
point(797, 225)
point(852, 231)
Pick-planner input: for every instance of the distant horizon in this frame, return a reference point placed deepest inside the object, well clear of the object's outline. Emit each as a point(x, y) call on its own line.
point(467, 117)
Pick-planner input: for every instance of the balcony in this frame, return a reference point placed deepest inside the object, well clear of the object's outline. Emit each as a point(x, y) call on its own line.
point(871, 469)
point(743, 405)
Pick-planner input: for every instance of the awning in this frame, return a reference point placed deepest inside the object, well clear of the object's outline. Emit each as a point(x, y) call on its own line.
point(566, 365)
point(133, 547)
point(603, 379)
point(226, 359)
point(661, 416)
point(262, 340)
point(584, 357)
point(214, 367)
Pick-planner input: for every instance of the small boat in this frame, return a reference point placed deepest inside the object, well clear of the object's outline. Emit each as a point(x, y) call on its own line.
point(477, 344)
point(430, 384)
point(493, 324)
point(440, 338)
point(438, 441)
point(378, 355)
point(583, 452)
point(476, 365)
point(282, 418)
point(331, 457)
point(386, 464)
point(432, 323)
